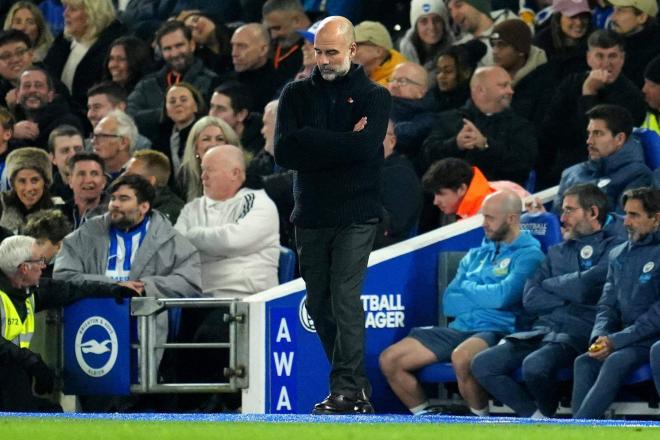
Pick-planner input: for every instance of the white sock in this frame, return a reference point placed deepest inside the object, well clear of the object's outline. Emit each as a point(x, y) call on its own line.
point(483, 412)
point(419, 408)
point(538, 415)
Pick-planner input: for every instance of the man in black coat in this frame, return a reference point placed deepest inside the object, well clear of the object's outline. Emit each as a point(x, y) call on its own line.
point(330, 129)
point(485, 131)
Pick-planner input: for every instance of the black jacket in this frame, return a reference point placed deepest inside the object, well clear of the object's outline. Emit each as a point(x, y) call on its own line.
point(338, 170)
point(48, 118)
point(512, 146)
point(641, 48)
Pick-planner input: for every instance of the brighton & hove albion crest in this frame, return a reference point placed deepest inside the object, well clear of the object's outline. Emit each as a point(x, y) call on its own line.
point(96, 346)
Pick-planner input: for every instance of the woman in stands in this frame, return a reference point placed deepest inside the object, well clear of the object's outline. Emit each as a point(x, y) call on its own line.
point(454, 69)
point(212, 40)
point(77, 55)
point(206, 133)
point(566, 35)
point(128, 60)
point(429, 32)
point(26, 17)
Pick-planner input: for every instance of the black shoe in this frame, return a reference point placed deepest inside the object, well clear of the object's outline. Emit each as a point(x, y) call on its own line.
point(337, 404)
point(363, 406)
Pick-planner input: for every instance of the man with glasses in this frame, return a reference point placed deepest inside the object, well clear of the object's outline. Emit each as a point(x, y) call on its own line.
point(23, 293)
point(375, 51)
point(485, 131)
point(113, 140)
point(413, 109)
point(562, 294)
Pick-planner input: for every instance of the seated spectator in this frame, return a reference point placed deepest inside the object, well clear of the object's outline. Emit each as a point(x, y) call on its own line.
point(283, 18)
point(26, 17)
point(76, 56)
point(511, 42)
point(155, 167)
point(627, 322)
point(128, 60)
point(39, 110)
point(249, 55)
point(414, 110)
point(482, 299)
point(429, 33)
point(454, 69)
point(308, 54)
point(30, 175)
point(651, 91)
point(211, 38)
point(22, 294)
point(207, 132)
point(234, 228)
point(63, 143)
point(616, 159)
point(231, 102)
point(102, 98)
point(87, 180)
point(636, 22)
point(401, 194)
point(48, 227)
point(562, 137)
point(485, 131)
point(145, 103)
point(562, 295)
point(375, 51)
point(565, 38)
point(6, 133)
point(475, 19)
point(114, 140)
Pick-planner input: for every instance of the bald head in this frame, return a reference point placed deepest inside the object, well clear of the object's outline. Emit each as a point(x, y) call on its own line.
point(505, 201)
point(490, 89)
point(335, 47)
point(409, 80)
point(249, 47)
point(336, 26)
point(501, 211)
point(223, 172)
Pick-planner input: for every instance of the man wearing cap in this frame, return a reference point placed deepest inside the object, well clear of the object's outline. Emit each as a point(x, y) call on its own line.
point(651, 91)
point(635, 21)
point(283, 18)
point(375, 51)
point(476, 21)
point(511, 42)
point(330, 129)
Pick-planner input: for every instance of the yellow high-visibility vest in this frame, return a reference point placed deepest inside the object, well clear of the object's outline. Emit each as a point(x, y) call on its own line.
point(651, 122)
point(12, 328)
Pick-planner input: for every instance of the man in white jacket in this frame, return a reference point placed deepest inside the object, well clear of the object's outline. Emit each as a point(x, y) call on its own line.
point(235, 229)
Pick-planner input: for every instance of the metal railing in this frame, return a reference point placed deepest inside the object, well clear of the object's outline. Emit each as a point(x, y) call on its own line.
point(149, 344)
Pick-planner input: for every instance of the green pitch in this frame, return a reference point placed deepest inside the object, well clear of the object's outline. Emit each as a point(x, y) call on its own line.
point(73, 429)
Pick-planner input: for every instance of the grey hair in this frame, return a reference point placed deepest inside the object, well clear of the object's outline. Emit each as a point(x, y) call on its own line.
point(125, 127)
point(14, 251)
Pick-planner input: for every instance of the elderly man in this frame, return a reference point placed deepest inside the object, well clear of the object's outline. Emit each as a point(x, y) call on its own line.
point(628, 317)
point(175, 43)
point(113, 140)
point(616, 159)
point(375, 51)
point(23, 293)
point(414, 110)
point(235, 229)
point(330, 129)
point(562, 294)
point(482, 298)
point(39, 110)
point(485, 131)
point(562, 134)
point(87, 180)
point(249, 54)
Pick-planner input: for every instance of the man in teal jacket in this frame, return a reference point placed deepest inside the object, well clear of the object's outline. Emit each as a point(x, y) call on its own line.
point(482, 300)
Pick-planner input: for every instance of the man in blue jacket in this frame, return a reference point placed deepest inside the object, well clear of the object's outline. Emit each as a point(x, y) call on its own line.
point(628, 318)
point(483, 299)
point(562, 294)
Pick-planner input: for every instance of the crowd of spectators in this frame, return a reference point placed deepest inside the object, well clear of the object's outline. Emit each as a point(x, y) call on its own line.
point(151, 126)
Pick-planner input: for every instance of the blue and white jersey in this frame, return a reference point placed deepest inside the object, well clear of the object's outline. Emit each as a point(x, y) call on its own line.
point(123, 249)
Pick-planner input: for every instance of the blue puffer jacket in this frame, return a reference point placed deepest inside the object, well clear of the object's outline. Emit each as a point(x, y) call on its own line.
point(565, 289)
point(488, 286)
point(613, 174)
point(629, 309)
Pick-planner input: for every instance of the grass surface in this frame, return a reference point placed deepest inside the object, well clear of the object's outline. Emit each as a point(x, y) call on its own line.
point(73, 429)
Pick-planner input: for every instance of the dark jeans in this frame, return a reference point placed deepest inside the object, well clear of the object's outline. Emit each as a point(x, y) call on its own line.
point(493, 368)
point(596, 383)
point(333, 263)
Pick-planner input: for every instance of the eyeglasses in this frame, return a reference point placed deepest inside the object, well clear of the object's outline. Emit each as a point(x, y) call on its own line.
point(100, 136)
point(569, 210)
point(403, 82)
point(40, 261)
point(18, 53)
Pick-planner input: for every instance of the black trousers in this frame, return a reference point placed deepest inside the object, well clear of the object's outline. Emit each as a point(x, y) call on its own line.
point(333, 263)
point(16, 392)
